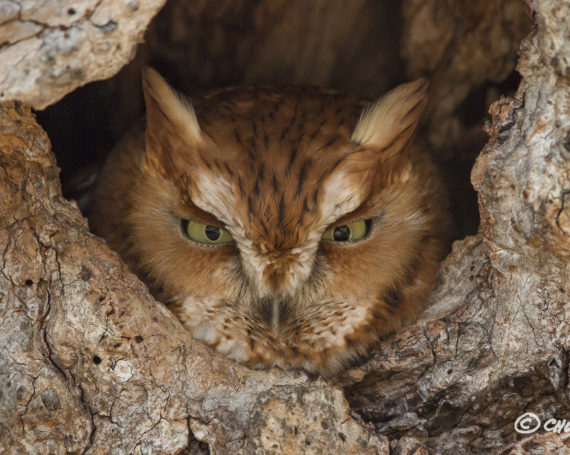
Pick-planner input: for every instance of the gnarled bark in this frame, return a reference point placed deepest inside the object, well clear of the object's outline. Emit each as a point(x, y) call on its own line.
point(48, 48)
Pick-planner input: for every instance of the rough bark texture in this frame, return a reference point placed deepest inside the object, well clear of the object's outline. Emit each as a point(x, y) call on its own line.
point(90, 363)
point(48, 48)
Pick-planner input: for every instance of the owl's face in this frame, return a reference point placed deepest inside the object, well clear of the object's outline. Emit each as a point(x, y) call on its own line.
point(280, 228)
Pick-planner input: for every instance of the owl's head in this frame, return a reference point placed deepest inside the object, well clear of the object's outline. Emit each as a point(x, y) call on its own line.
point(286, 226)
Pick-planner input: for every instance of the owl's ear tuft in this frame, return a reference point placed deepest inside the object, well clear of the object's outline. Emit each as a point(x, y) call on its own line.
point(389, 124)
point(167, 111)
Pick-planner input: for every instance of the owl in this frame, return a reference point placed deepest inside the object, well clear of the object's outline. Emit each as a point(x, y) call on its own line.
point(287, 226)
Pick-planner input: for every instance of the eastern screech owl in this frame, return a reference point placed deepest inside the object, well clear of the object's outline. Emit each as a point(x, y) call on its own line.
point(283, 226)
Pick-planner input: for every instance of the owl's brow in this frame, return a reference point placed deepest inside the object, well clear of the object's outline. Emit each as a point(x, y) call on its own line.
point(363, 211)
point(197, 214)
point(322, 178)
point(333, 167)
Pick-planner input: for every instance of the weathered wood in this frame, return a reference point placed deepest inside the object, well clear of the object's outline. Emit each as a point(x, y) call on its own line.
point(49, 48)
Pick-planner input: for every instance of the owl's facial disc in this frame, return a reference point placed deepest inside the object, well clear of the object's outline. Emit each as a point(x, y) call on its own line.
point(286, 227)
point(277, 243)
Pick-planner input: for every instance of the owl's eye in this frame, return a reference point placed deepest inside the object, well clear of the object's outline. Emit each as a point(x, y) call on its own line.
point(205, 233)
point(352, 232)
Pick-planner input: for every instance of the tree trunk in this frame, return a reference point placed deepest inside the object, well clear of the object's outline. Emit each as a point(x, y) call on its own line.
point(91, 363)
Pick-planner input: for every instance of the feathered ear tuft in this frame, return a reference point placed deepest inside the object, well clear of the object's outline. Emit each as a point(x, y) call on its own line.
point(172, 131)
point(168, 109)
point(390, 122)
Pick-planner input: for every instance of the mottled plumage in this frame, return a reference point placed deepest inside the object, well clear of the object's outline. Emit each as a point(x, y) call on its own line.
point(329, 227)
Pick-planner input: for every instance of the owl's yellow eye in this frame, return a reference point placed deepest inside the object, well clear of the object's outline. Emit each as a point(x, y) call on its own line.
point(206, 233)
point(352, 232)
